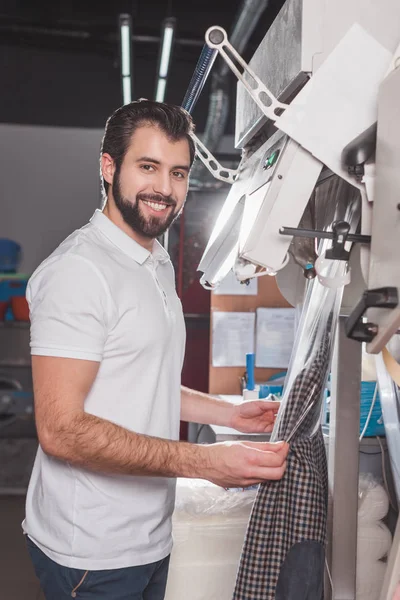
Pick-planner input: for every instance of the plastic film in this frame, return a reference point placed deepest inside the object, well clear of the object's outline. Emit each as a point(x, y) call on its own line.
point(300, 409)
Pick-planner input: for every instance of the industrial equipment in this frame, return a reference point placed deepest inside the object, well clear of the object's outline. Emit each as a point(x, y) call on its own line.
point(319, 105)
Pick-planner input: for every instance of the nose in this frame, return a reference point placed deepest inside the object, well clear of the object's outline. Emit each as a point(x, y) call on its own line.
point(162, 184)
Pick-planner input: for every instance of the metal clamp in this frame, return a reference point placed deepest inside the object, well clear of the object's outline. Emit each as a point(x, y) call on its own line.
point(211, 163)
point(339, 236)
point(340, 230)
point(216, 37)
point(355, 327)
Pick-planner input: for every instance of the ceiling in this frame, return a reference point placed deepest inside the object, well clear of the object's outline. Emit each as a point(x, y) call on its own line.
point(89, 24)
point(31, 31)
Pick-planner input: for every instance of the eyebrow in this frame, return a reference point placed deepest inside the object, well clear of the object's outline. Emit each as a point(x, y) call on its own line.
point(157, 162)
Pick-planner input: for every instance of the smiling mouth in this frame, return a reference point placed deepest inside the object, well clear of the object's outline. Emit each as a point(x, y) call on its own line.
point(157, 206)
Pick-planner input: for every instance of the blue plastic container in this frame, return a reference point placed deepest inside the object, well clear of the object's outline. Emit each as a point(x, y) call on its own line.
point(375, 425)
point(266, 390)
point(10, 254)
point(274, 385)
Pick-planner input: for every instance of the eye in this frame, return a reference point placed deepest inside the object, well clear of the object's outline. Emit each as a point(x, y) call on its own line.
point(178, 174)
point(148, 168)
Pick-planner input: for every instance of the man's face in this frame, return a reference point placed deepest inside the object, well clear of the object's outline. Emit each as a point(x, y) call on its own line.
point(150, 188)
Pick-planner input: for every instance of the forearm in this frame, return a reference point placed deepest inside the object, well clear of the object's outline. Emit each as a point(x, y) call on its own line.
point(198, 407)
point(99, 445)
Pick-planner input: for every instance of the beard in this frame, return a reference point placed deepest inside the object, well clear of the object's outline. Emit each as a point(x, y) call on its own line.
point(149, 227)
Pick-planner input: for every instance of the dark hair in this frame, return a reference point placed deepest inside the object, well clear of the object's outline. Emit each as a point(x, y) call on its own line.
point(172, 120)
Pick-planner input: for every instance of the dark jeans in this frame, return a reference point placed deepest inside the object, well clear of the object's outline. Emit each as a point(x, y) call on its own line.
point(146, 582)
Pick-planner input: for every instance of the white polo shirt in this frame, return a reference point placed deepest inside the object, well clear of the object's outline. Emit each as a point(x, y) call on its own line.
point(101, 296)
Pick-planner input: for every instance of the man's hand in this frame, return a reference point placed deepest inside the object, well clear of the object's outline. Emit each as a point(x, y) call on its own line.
point(240, 464)
point(254, 416)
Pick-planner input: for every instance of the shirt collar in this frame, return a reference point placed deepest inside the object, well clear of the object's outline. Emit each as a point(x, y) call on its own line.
point(125, 243)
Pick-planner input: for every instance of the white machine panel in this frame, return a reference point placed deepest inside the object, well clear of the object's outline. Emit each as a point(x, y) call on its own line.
point(298, 42)
point(384, 262)
point(278, 202)
point(222, 248)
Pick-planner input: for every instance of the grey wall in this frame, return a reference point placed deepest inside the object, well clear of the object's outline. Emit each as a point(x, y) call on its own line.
point(49, 185)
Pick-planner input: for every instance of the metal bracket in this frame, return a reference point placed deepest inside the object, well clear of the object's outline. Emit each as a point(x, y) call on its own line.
point(211, 163)
point(355, 327)
point(339, 234)
point(216, 37)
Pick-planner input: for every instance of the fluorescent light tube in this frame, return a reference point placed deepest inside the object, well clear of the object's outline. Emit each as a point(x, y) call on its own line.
point(126, 90)
point(160, 93)
point(125, 50)
point(166, 50)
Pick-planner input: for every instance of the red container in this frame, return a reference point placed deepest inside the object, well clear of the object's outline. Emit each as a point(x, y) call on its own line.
point(3, 309)
point(20, 308)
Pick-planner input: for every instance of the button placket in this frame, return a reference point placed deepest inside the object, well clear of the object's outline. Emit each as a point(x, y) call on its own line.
point(161, 289)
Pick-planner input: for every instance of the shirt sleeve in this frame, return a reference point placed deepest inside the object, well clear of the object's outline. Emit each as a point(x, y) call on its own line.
point(70, 307)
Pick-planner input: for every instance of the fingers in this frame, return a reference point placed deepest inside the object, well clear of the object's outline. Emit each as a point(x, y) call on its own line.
point(259, 474)
point(273, 474)
point(277, 447)
point(268, 474)
point(266, 460)
point(248, 463)
point(269, 405)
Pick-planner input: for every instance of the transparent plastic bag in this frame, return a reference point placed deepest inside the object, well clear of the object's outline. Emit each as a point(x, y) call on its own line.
point(301, 405)
point(300, 409)
point(209, 527)
point(198, 497)
point(374, 539)
point(373, 501)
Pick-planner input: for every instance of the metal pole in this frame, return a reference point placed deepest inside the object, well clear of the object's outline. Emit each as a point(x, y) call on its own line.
point(343, 467)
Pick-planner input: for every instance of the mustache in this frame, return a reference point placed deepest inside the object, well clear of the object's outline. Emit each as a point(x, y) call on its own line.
point(157, 198)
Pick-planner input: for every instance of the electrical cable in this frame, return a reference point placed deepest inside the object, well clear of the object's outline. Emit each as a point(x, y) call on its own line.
point(370, 413)
point(329, 573)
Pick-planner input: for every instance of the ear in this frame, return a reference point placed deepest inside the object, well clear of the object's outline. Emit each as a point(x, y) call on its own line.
point(107, 168)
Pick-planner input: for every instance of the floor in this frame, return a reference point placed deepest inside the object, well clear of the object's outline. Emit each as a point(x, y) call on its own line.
point(18, 580)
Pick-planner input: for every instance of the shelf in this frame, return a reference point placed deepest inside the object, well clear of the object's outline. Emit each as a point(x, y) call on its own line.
point(196, 316)
point(14, 325)
point(4, 364)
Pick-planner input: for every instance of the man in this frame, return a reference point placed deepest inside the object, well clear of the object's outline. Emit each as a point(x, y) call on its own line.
point(107, 343)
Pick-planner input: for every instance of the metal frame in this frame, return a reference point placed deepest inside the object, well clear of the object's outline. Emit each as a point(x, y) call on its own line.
point(384, 264)
point(343, 467)
point(216, 37)
point(392, 577)
point(211, 163)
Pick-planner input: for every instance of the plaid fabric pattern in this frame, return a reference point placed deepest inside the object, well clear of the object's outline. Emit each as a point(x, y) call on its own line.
point(293, 509)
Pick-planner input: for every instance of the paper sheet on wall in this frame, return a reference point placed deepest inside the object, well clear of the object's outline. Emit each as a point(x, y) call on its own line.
point(232, 338)
point(275, 329)
point(230, 286)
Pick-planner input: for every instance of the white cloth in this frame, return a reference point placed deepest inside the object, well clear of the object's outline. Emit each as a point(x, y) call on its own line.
point(101, 296)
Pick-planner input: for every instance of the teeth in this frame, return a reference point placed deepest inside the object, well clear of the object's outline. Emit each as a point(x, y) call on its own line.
point(155, 205)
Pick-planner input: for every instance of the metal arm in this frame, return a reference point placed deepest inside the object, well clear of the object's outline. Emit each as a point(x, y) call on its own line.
point(216, 37)
point(211, 163)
